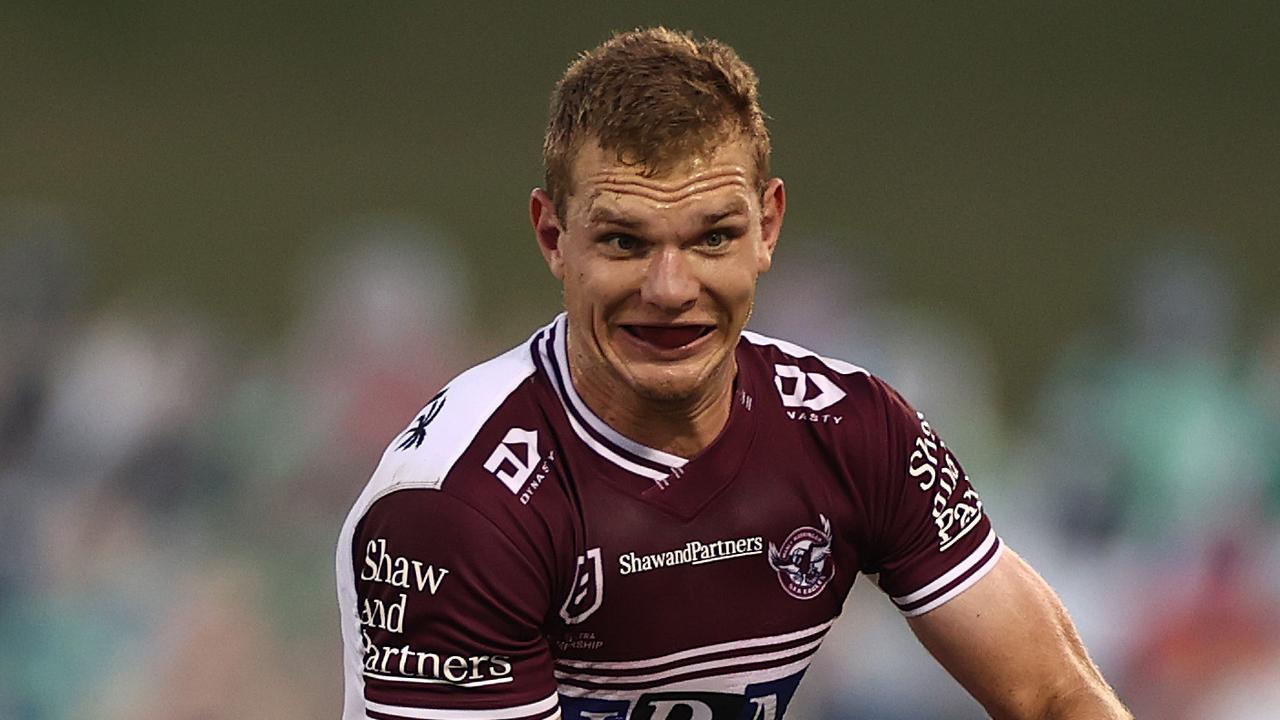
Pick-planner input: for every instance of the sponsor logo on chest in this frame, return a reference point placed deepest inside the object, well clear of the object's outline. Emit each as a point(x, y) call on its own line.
point(694, 552)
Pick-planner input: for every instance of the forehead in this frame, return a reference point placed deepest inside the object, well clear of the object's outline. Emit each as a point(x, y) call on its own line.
point(605, 183)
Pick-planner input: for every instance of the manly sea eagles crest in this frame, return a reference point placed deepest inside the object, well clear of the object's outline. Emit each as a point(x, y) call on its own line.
point(803, 563)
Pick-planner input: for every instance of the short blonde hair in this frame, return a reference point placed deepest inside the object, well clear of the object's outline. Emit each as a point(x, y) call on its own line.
point(655, 97)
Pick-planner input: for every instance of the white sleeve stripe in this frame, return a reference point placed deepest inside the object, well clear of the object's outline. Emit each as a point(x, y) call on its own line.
point(953, 592)
point(730, 662)
point(961, 568)
point(735, 645)
point(544, 705)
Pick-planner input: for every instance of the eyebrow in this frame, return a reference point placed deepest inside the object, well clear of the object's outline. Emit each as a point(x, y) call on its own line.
point(604, 215)
point(735, 209)
point(601, 215)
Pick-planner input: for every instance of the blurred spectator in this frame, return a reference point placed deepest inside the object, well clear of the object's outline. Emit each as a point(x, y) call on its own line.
point(1216, 626)
point(1154, 455)
point(1156, 438)
point(383, 321)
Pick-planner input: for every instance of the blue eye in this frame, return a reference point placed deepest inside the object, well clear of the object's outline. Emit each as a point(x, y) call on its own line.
point(624, 243)
point(715, 239)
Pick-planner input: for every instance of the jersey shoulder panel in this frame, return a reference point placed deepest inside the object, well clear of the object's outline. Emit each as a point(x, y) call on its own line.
point(923, 529)
point(448, 611)
point(441, 596)
point(426, 451)
point(785, 351)
point(809, 385)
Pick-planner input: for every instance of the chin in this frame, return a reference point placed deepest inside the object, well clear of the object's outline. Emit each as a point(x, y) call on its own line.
point(666, 386)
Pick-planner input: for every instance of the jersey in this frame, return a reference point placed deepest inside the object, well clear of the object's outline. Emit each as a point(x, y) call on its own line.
point(514, 557)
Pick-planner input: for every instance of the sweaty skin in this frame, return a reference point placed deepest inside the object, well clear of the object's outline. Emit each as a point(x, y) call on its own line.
point(659, 276)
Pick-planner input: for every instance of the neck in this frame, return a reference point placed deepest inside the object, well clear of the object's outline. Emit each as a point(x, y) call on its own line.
point(681, 426)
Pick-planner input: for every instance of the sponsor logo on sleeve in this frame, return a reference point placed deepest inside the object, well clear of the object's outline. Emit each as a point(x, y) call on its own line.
point(402, 573)
point(803, 561)
point(384, 617)
point(413, 437)
point(935, 469)
point(407, 664)
point(807, 391)
point(586, 593)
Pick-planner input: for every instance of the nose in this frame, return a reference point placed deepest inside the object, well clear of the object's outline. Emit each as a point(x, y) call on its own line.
point(670, 283)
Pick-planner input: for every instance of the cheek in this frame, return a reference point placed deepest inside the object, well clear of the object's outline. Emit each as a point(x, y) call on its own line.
point(591, 286)
point(732, 285)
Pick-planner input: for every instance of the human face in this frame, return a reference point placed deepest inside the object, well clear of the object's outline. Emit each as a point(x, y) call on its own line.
point(659, 273)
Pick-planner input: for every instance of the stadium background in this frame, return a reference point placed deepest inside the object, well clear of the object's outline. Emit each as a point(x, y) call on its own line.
point(241, 244)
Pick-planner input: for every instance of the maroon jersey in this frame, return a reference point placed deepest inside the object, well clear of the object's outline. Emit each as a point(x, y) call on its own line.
point(515, 557)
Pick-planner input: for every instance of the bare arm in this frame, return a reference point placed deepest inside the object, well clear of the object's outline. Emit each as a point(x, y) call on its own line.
point(1009, 641)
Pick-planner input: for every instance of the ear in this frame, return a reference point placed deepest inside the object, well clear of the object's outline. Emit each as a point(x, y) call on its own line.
point(548, 229)
point(773, 205)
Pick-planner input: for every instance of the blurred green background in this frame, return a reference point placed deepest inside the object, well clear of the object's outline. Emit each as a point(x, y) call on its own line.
point(240, 245)
point(1002, 159)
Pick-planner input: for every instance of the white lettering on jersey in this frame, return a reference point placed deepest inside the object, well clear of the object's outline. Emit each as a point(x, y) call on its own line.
point(664, 709)
point(828, 393)
point(765, 708)
point(510, 468)
point(402, 572)
point(932, 460)
point(694, 552)
point(407, 664)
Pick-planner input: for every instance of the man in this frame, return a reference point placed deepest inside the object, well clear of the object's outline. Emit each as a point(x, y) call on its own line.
point(645, 511)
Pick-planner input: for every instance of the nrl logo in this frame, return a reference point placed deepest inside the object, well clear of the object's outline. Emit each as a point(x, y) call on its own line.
point(587, 593)
point(803, 562)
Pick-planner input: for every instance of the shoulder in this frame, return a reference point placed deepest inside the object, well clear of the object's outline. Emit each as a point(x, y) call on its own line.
point(807, 382)
point(425, 452)
point(859, 419)
point(472, 441)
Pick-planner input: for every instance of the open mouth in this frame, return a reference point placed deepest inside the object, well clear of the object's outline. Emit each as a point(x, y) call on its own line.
point(668, 337)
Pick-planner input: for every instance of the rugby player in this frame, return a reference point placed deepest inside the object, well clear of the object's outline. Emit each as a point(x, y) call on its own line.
point(646, 511)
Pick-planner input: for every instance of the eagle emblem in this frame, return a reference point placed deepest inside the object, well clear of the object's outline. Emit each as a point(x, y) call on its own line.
point(803, 561)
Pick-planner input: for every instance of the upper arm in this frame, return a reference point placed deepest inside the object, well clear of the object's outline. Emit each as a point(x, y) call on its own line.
point(988, 617)
point(449, 613)
point(1010, 643)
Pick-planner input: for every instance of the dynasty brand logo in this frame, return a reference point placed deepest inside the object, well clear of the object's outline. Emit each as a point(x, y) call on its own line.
point(514, 459)
point(803, 562)
point(694, 552)
point(808, 391)
point(413, 437)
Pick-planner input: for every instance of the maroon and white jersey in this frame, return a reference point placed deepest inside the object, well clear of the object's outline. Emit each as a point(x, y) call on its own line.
point(515, 558)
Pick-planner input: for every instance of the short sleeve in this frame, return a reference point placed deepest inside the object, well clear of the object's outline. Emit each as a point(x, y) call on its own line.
point(449, 612)
point(933, 538)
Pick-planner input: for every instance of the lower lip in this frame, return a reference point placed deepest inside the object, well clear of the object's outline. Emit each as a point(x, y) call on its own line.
point(661, 353)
